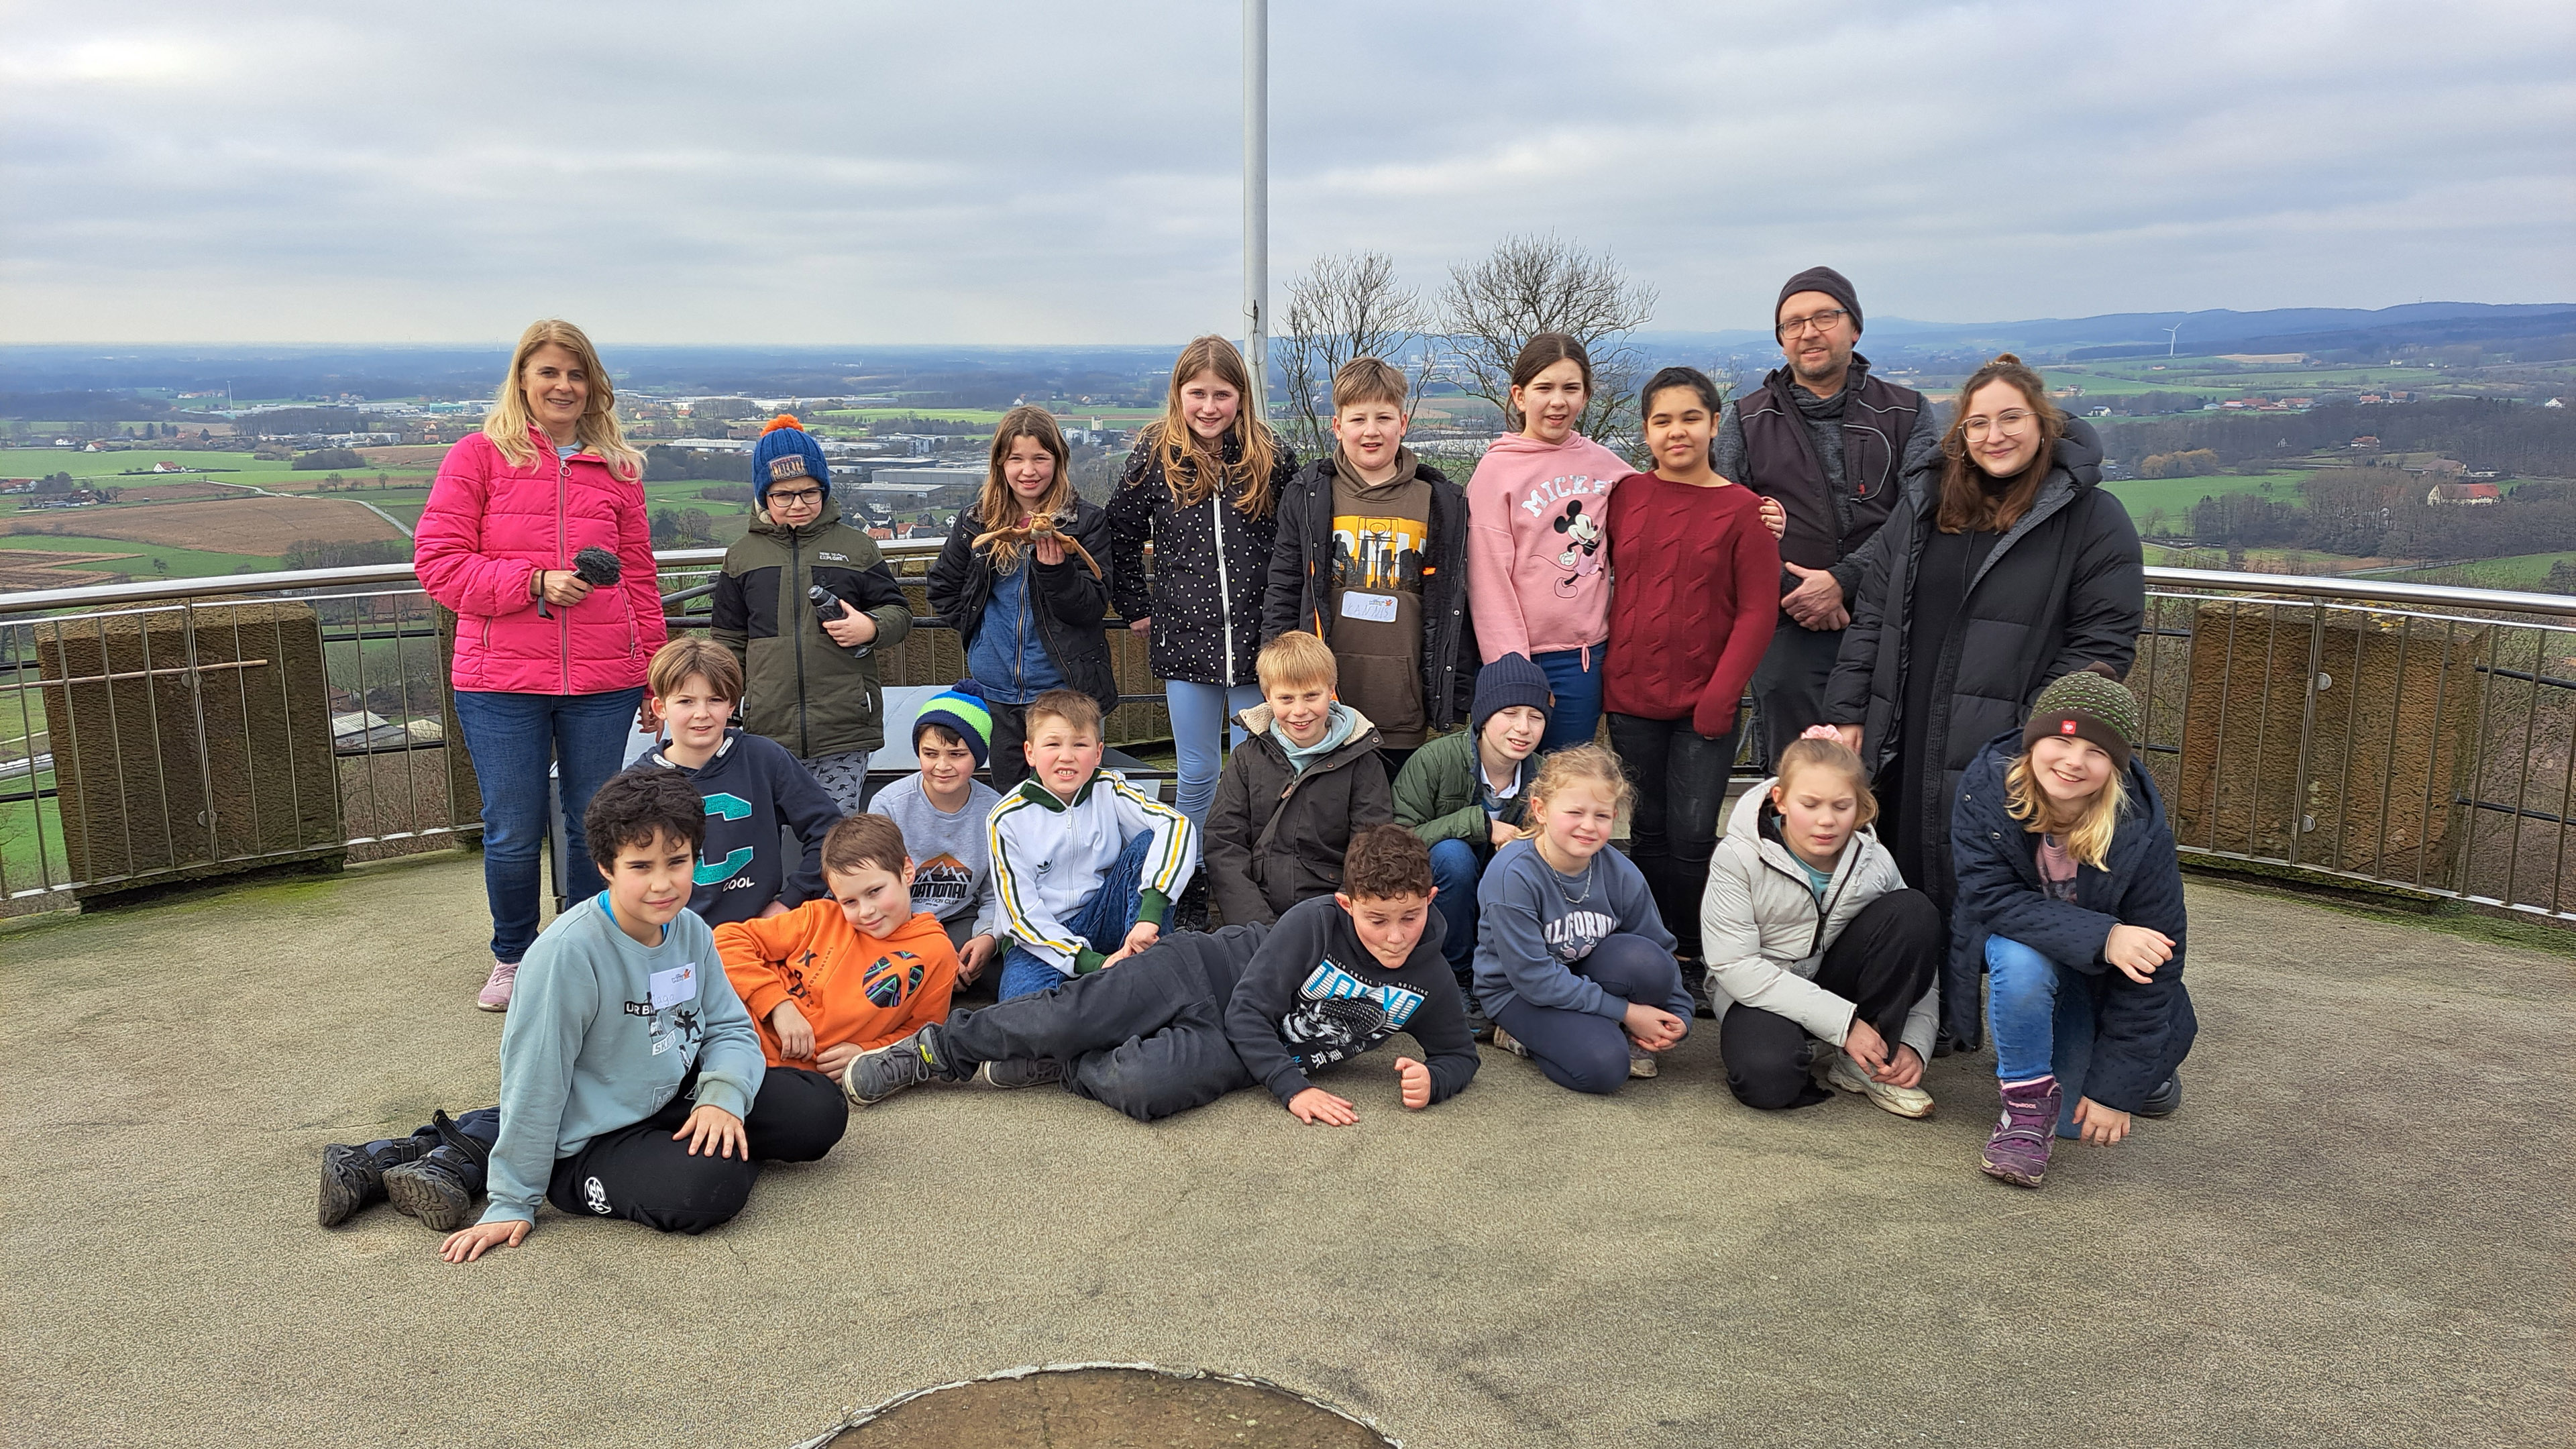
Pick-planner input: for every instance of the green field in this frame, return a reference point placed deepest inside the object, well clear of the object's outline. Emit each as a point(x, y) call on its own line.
point(185, 563)
point(2176, 495)
point(2520, 571)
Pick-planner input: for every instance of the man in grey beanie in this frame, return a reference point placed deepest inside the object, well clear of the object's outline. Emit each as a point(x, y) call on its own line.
point(1835, 448)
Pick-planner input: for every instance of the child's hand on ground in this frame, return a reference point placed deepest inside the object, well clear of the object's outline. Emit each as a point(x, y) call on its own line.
point(833, 1060)
point(2102, 1125)
point(1863, 1044)
point(974, 956)
point(1774, 517)
point(1904, 1069)
point(2137, 951)
point(714, 1132)
point(1139, 936)
point(1653, 1028)
point(1417, 1083)
point(795, 1033)
point(467, 1244)
point(1504, 834)
point(1317, 1105)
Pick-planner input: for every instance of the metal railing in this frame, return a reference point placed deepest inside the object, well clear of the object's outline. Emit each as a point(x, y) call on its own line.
point(2393, 735)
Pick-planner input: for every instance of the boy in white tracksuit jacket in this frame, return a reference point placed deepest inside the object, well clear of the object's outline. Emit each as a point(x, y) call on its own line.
point(1809, 934)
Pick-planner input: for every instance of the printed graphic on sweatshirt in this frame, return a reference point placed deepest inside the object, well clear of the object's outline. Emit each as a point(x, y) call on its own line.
point(722, 806)
point(1577, 527)
point(1337, 1015)
point(942, 885)
point(893, 979)
point(1571, 937)
point(1376, 552)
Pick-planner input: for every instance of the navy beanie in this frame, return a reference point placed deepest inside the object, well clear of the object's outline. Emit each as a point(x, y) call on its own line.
point(1508, 681)
point(1820, 279)
point(783, 452)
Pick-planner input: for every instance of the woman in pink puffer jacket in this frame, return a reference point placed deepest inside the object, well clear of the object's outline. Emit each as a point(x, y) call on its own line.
point(549, 668)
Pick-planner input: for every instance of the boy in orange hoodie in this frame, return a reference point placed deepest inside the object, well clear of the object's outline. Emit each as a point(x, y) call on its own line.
point(855, 970)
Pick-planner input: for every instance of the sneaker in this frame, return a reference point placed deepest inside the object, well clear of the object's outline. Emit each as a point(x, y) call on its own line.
point(873, 1076)
point(1703, 993)
point(1011, 1076)
point(2163, 1100)
point(1505, 1041)
point(1641, 1062)
point(1190, 911)
point(431, 1190)
point(354, 1177)
point(1903, 1101)
point(2018, 1152)
point(1479, 1025)
point(496, 991)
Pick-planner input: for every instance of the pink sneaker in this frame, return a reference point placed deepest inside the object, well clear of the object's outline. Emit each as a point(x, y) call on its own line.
point(496, 992)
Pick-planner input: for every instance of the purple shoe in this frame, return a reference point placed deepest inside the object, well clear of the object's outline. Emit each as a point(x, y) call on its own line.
point(496, 991)
point(2018, 1152)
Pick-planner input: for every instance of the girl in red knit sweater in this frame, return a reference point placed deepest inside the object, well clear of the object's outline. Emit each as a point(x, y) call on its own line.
point(1695, 593)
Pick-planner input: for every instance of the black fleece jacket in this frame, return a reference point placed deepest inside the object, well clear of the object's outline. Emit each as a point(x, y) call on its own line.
point(1314, 995)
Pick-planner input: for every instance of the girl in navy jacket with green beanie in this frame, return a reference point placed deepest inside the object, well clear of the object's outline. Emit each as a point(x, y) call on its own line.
point(1203, 489)
point(2070, 897)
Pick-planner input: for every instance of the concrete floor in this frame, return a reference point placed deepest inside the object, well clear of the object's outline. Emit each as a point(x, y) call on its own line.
point(2357, 1231)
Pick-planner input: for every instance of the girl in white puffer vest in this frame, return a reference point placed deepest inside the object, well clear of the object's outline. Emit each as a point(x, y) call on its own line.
point(1819, 955)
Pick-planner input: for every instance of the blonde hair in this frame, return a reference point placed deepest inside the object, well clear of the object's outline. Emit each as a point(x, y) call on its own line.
point(2088, 838)
point(998, 508)
point(508, 424)
point(1370, 380)
point(1814, 754)
point(694, 656)
point(1079, 711)
point(1573, 765)
point(1294, 659)
point(1190, 469)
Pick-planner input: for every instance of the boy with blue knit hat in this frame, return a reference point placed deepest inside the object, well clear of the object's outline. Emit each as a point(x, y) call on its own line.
point(806, 602)
point(942, 810)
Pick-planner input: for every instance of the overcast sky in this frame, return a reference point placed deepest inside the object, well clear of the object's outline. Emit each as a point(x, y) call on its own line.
point(975, 171)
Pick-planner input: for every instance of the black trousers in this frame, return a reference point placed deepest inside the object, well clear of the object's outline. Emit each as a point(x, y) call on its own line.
point(644, 1175)
point(1885, 959)
point(1680, 775)
point(1789, 684)
point(1145, 1036)
point(1006, 759)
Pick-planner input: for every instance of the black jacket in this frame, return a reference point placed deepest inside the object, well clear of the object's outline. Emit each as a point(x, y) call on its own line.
point(961, 584)
point(2140, 1033)
point(1211, 563)
point(1315, 995)
point(2063, 588)
point(1829, 527)
point(1275, 837)
point(1301, 584)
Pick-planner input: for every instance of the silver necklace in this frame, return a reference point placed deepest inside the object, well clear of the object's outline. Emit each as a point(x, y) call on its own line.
point(1573, 900)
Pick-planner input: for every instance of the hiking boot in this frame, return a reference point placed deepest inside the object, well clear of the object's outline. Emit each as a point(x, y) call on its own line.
point(873, 1076)
point(1505, 1041)
point(435, 1189)
point(1011, 1076)
point(2018, 1152)
point(1641, 1062)
point(496, 991)
point(1903, 1101)
point(353, 1177)
point(2163, 1100)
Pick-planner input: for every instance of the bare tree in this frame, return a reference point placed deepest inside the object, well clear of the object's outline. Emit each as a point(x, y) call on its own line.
point(1534, 284)
point(1342, 307)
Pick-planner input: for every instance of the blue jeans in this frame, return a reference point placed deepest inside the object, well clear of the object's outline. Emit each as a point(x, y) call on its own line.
point(1577, 714)
point(2040, 1015)
point(1199, 716)
point(512, 738)
point(1455, 868)
point(1103, 919)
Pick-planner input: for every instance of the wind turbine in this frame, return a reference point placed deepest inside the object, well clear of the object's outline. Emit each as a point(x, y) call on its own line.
point(2172, 336)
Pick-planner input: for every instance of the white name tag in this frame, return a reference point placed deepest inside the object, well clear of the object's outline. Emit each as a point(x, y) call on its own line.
point(1375, 608)
point(672, 987)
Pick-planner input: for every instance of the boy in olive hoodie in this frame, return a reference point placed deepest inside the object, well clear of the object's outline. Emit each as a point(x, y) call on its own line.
point(812, 669)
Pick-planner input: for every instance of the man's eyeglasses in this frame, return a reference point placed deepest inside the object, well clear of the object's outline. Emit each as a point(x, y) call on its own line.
point(795, 497)
point(1821, 321)
point(2012, 421)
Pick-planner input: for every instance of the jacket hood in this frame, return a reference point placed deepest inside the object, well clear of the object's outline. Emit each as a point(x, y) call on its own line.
point(1753, 821)
point(1523, 443)
point(2079, 454)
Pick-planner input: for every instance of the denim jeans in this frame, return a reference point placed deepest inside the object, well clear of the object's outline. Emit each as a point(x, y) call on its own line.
point(512, 739)
point(1103, 920)
point(1680, 775)
point(1456, 866)
point(1200, 713)
point(2040, 1015)
point(1577, 714)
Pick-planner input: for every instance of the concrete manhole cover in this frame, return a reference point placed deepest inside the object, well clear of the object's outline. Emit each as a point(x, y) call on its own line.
point(1106, 1406)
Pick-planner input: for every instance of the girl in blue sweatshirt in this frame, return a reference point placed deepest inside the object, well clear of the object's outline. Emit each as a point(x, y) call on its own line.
point(1573, 963)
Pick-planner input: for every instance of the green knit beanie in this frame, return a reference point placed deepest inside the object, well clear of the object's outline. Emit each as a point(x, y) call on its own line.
point(2090, 704)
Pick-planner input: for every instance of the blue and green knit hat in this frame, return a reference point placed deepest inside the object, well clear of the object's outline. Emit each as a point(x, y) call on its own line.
point(785, 451)
point(960, 709)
